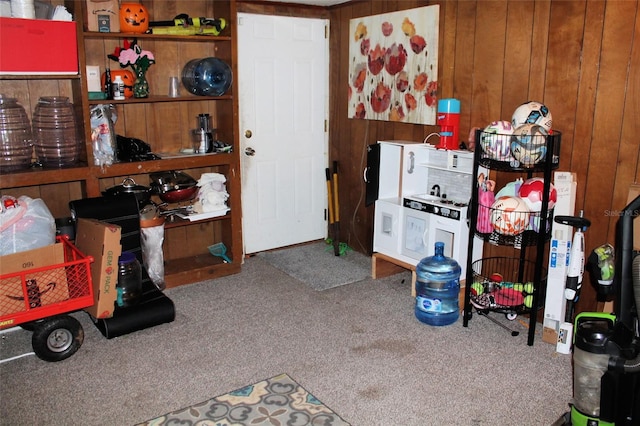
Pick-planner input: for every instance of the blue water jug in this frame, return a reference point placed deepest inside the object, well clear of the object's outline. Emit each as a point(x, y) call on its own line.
point(437, 289)
point(207, 76)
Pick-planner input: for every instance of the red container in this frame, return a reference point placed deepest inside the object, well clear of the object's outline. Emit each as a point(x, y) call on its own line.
point(38, 46)
point(449, 122)
point(69, 270)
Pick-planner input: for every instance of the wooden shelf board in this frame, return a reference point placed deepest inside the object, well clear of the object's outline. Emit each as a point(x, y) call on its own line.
point(158, 99)
point(177, 163)
point(178, 222)
point(180, 38)
point(42, 177)
point(197, 268)
point(39, 76)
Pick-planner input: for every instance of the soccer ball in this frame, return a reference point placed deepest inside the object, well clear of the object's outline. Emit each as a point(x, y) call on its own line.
point(529, 144)
point(496, 140)
point(532, 113)
point(531, 192)
point(509, 215)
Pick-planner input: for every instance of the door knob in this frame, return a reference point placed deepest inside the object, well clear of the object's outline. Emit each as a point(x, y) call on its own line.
point(250, 152)
point(248, 134)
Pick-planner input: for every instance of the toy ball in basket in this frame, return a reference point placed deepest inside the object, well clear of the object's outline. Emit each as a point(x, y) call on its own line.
point(496, 140)
point(532, 113)
point(509, 215)
point(531, 192)
point(529, 144)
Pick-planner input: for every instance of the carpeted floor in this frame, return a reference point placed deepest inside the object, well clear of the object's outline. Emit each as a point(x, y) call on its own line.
point(317, 266)
point(358, 348)
point(276, 401)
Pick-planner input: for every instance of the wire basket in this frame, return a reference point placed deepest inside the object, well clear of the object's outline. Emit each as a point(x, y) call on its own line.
point(504, 284)
point(516, 227)
point(508, 152)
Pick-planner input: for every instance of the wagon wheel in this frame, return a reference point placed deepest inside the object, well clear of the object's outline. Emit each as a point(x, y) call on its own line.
point(57, 338)
point(511, 315)
point(29, 326)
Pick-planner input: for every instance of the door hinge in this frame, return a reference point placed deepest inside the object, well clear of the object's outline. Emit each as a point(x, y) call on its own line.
point(326, 31)
point(326, 125)
point(325, 214)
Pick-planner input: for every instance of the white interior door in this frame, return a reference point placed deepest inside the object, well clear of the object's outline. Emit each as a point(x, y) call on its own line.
point(283, 67)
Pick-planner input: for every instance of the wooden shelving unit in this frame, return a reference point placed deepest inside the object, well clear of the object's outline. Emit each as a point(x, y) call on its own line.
point(163, 122)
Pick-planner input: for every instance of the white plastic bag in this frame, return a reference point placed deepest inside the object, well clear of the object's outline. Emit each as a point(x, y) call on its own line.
point(25, 224)
point(103, 135)
point(151, 240)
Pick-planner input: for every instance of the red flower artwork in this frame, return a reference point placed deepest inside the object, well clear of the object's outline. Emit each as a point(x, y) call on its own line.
point(410, 102)
point(359, 77)
point(380, 98)
point(395, 59)
point(387, 28)
point(396, 113)
point(376, 60)
point(417, 43)
point(393, 66)
point(420, 82)
point(365, 45)
point(402, 81)
point(432, 93)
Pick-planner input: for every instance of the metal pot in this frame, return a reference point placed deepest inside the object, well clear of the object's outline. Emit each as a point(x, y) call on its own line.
point(173, 187)
point(129, 186)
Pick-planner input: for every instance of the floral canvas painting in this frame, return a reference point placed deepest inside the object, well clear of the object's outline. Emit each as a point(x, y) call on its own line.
point(393, 66)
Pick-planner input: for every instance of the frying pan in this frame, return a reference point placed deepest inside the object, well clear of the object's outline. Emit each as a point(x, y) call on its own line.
point(173, 187)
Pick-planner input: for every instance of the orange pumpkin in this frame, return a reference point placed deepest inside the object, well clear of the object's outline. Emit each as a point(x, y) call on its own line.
point(134, 18)
point(126, 76)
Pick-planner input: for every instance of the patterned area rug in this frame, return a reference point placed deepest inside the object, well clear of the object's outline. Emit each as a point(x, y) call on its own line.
point(316, 265)
point(276, 401)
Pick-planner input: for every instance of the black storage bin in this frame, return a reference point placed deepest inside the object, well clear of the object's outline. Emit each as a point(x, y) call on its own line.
point(154, 307)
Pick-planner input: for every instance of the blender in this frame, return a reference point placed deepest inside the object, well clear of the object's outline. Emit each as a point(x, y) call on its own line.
point(203, 135)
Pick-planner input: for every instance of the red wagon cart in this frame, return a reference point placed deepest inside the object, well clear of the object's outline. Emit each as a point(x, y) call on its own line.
point(38, 299)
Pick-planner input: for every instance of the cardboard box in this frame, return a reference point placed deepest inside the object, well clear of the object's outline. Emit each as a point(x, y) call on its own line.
point(102, 241)
point(38, 46)
point(93, 78)
point(44, 287)
point(103, 16)
point(559, 250)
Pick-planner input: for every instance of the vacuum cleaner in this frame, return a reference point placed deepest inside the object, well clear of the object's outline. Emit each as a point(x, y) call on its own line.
point(606, 351)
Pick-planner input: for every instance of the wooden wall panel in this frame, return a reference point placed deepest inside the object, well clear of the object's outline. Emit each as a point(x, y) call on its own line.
point(447, 45)
point(564, 53)
point(488, 66)
point(617, 40)
point(463, 67)
point(629, 150)
point(517, 56)
point(538, 43)
point(582, 58)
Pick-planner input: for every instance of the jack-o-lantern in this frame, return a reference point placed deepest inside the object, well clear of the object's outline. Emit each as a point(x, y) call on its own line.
point(134, 18)
point(126, 76)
